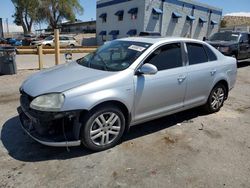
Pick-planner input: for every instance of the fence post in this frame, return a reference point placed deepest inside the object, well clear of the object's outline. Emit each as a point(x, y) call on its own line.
point(40, 56)
point(57, 47)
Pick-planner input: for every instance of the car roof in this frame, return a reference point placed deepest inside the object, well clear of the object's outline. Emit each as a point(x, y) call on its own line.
point(154, 40)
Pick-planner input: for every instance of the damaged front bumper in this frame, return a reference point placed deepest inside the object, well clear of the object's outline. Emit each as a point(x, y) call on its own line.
point(58, 129)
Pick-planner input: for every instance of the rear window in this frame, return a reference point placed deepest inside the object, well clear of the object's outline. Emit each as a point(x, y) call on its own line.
point(196, 53)
point(210, 54)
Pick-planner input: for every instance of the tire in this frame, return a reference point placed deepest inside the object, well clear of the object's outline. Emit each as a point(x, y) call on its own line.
point(47, 45)
point(71, 45)
point(216, 99)
point(97, 134)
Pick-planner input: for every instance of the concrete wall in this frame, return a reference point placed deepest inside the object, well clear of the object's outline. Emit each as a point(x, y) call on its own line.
point(112, 20)
point(185, 28)
point(166, 25)
point(151, 24)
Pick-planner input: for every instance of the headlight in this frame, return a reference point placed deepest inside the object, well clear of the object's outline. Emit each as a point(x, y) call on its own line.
point(224, 49)
point(50, 102)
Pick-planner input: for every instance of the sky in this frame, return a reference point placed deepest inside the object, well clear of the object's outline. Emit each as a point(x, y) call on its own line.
point(228, 6)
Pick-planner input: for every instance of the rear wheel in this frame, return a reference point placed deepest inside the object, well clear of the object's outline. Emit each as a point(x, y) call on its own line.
point(103, 128)
point(216, 98)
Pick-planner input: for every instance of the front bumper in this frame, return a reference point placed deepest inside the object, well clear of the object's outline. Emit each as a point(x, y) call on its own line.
point(59, 129)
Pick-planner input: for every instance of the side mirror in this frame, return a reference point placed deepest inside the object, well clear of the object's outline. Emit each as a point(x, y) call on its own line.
point(147, 69)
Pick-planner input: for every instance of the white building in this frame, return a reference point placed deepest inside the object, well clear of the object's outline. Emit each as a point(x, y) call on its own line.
point(186, 18)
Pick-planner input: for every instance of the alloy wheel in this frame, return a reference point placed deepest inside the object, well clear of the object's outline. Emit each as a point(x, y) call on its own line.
point(105, 128)
point(217, 98)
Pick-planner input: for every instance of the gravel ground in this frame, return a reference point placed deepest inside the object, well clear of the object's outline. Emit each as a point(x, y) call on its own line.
point(188, 149)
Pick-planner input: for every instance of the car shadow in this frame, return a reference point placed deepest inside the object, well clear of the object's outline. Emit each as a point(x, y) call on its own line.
point(21, 147)
point(243, 63)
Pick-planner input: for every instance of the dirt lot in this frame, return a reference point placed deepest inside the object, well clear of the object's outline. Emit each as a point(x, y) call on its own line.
point(188, 149)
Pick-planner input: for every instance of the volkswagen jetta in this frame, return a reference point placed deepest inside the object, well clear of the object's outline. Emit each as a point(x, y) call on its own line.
point(94, 100)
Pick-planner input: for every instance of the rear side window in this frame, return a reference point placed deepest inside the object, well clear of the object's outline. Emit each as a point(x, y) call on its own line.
point(166, 57)
point(196, 54)
point(210, 54)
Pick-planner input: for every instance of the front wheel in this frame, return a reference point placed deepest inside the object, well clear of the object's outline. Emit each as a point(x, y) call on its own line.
point(103, 128)
point(216, 99)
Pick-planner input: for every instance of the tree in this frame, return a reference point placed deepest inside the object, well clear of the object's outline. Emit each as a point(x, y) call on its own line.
point(57, 10)
point(223, 23)
point(25, 13)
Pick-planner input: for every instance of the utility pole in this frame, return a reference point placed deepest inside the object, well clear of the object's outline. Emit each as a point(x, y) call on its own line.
point(57, 46)
point(1, 27)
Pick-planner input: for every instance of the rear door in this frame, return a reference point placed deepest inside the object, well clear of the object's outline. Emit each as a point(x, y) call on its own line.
point(163, 92)
point(201, 71)
point(244, 46)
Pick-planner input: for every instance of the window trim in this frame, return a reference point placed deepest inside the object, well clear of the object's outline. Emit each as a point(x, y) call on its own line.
point(183, 55)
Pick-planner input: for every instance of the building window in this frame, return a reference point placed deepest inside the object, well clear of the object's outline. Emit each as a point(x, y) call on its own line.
point(176, 16)
point(202, 21)
point(119, 14)
point(133, 12)
point(114, 34)
point(190, 18)
point(156, 13)
point(103, 17)
point(103, 35)
point(132, 32)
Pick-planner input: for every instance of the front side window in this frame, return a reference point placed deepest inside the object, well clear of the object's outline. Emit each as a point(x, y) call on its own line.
point(166, 57)
point(196, 53)
point(49, 38)
point(63, 38)
point(114, 56)
point(244, 38)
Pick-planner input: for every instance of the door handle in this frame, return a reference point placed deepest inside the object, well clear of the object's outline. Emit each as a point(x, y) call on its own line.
point(213, 72)
point(181, 78)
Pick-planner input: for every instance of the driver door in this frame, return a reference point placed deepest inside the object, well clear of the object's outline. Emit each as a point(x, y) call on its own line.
point(159, 94)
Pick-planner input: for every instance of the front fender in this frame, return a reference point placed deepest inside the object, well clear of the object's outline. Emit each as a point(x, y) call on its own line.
point(123, 94)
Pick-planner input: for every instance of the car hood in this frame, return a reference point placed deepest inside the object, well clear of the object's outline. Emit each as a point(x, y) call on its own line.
point(62, 78)
point(221, 43)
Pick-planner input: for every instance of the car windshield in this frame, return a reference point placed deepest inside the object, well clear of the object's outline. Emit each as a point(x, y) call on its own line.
point(114, 56)
point(227, 36)
point(49, 38)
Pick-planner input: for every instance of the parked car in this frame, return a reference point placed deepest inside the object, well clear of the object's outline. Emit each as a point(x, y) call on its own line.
point(3, 41)
point(232, 43)
point(28, 39)
point(14, 41)
point(124, 83)
point(149, 33)
point(64, 41)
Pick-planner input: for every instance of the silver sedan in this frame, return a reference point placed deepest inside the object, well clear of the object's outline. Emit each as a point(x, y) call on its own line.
point(94, 100)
